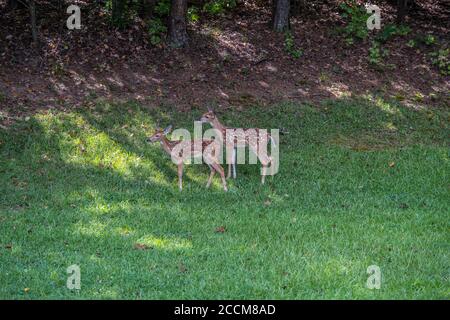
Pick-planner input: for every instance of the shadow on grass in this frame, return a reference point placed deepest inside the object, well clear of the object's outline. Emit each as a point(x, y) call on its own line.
point(56, 148)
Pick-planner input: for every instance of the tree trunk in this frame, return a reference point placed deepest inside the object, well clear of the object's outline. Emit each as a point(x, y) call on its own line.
point(12, 4)
point(146, 8)
point(32, 7)
point(118, 13)
point(402, 8)
point(15, 4)
point(281, 15)
point(177, 23)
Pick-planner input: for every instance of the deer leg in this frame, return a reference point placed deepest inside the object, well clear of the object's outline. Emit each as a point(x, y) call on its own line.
point(180, 176)
point(234, 163)
point(272, 167)
point(265, 163)
point(229, 170)
point(213, 172)
point(231, 162)
point(219, 169)
point(264, 172)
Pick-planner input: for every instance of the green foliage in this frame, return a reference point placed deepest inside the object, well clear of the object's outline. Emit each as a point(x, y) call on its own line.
point(412, 43)
point(58, 69)
point(120, 12)
point(156, 27)
point(356, 17)
point(156, 30)
point(376, 54)
point(429, 40)
point(426, 40)
point(441, 59)
point(162, 8)
point(391, 30)
point(219, 6)
point(289, 46)
point(388, 32)
point(193, 14)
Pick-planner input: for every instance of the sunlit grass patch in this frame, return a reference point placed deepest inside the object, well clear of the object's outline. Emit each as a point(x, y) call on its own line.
point(165, 243)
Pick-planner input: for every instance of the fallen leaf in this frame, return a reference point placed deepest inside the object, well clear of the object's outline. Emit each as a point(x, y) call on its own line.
point(221, 229)
point(391, 164)
point(26, 290)
point(141, 246)
point(403, 206)
point(182, 268)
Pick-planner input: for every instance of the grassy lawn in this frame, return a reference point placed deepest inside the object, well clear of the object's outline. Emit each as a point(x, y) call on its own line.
point(362, 182)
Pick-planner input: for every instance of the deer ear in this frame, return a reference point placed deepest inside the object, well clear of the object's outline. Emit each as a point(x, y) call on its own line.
point(168, 129)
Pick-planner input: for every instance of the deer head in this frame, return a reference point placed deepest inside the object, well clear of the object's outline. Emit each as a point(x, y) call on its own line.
point(208, 116)
point(159, 134)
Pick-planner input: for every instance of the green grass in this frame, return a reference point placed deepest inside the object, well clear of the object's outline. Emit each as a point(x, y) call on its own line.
point(361, 182)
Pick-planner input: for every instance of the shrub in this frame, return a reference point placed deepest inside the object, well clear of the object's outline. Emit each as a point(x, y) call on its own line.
point(162, 8)
point(193, 14)
point(156, 31)
point(289, 45)
point(441, 59)
point(120, 13)
point(391, 30)
point(219, 6)
point(429, 39)
point(376, 54)
point(156, 26)
point(412, 43)
point(356, 17)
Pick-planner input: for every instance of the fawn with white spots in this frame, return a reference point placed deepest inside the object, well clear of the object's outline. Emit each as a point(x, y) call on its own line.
point(254, 138)
point(208, 149)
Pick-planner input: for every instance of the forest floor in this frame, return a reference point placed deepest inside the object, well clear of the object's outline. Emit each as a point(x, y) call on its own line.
point(233, 61)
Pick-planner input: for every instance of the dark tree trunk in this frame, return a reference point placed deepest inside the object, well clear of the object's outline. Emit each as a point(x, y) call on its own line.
point(15, 4)
point(118, 12)
point(32, 7)
point(280, 17)
point(12, 4)
point(402, 9)
point(146, 8)
point(177, 23)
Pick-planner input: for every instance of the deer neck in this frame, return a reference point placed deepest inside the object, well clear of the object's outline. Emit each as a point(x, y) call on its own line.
point(167, 145)
point(217, 125)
